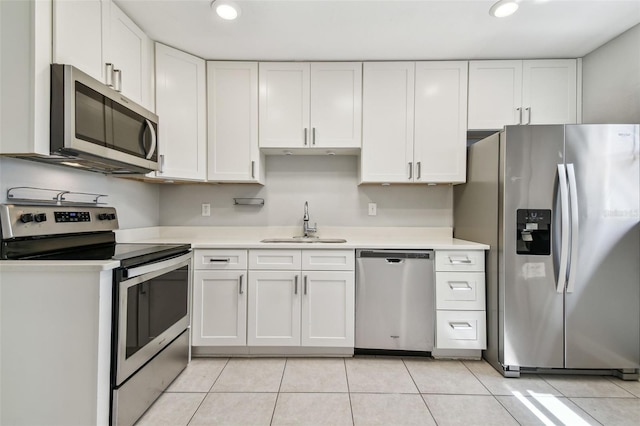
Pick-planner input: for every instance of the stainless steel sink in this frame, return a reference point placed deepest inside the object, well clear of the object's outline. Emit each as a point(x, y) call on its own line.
point(303, 240)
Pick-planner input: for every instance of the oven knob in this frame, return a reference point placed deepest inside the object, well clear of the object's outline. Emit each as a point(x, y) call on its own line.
point(112, 216)
point(103, 216)
point(26, 217)
point(40, 217)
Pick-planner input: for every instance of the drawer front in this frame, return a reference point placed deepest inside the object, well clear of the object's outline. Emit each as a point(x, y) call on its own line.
point(275, 259)
point(220, 259)
point(460, 291)
point(460, 260)
point(328, 260)
point(461, 330)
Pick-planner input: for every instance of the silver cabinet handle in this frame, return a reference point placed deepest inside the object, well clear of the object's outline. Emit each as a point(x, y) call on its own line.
point(108, 74)
point(459, 285)
point(519, 110)
point(253, 170)
point(459, 260)
point(419, 174)
point(460, 325)
point(305, 284)
point(313, 136)
point(161, 165)
point(410, 170)
point(117, 80)
point(221, 260)
point(528, 111)
point(305, 136)
point(240, 282)
point(295, 285)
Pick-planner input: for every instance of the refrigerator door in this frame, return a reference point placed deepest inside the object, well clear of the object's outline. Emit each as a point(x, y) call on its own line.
point(530, 252)
point(603, 294)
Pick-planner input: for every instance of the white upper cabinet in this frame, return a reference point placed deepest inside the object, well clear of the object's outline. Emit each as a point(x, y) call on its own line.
point(387, 122)
point(522, 92)
point(549, 91)
point(310, 105)
point(78, 34)
point(181, 108)
point(233, 153)
point(414, 122)
point(440, 139)
point(336, 104)
point(90, 34)
point(131, 52)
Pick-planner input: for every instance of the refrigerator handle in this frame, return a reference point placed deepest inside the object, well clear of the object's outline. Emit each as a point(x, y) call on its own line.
point(564, 242)
point(573, 197)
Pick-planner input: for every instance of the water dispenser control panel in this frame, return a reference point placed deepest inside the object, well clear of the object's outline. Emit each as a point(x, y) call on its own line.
point(533, 232)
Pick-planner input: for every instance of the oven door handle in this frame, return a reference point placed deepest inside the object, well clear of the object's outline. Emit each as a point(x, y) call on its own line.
point(152, 267)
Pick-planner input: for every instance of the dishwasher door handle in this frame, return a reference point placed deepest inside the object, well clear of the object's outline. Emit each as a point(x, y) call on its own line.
point(395, 260)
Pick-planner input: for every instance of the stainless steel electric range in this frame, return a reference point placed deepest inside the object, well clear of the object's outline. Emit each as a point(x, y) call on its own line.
point(150, 294)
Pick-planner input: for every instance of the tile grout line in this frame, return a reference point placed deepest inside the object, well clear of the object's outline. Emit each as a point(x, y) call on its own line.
point(207, 393)
point(419, 393)
point(273, 413)
point(346, 375)
point(474, 374)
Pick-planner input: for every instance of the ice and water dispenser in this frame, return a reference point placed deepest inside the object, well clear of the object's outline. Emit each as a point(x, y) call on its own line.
point(533, 232)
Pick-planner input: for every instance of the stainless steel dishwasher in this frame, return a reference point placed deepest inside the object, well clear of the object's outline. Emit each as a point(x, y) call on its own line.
point(395, 307)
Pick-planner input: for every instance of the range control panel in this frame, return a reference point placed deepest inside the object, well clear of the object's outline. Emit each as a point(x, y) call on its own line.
point(22, 220)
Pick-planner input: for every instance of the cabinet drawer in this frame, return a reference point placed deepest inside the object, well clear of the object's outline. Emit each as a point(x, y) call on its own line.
point(460, 260)
point(220, 259)
point(328, 260)
point(461, 330)
point(460, 291)
point(275, 259)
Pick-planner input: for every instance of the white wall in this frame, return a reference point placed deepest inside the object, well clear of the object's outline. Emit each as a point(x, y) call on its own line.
point(330, 186)
point(611, 81)
point(136, 202)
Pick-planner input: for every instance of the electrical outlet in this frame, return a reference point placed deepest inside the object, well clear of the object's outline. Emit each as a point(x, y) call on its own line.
point(206, 209)
point(373, 209)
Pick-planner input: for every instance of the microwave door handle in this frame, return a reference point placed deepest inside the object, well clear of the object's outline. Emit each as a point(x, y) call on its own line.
point(154, 141)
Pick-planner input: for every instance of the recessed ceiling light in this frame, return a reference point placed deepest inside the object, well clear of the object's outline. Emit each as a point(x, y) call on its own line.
point(503, 8)
point(226, 9)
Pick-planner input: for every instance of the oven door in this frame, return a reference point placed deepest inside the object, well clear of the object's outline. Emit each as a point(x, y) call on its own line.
point(152, 310)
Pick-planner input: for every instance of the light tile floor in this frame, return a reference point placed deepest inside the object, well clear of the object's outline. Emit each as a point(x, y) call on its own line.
point(385, 391)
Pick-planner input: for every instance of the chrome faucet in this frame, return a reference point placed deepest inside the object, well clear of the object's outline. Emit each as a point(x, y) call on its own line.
point(306, 229)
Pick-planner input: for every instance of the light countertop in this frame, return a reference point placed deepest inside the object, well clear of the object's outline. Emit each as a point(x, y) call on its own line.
point(249, 237)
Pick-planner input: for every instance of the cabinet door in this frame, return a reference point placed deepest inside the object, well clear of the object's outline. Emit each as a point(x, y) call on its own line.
point(328, 308)
point(78, 34)
point(131, 51)
point(274, 308)
point(219, 308)
point(336, 104)
point(284, 105)
point(387, 122)
point(495, 94)
point(440, 140)
point(549, 93)
point(233, 152)
point(181, 107)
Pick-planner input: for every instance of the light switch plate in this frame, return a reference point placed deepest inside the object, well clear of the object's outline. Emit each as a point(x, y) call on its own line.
point(206, 209)
point(373, 209)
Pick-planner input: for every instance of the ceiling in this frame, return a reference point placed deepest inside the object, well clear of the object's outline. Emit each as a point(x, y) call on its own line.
point(384, 29)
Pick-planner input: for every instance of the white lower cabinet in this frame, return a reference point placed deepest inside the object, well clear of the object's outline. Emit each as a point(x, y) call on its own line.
point(275, 298)
point(292, 306)
point(460, 300)
point(219, 298)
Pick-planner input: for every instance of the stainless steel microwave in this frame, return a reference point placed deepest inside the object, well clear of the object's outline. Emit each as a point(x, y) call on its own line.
point(96, 128)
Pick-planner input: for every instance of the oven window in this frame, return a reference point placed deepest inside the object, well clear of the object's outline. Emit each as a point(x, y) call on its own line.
point(155, 305)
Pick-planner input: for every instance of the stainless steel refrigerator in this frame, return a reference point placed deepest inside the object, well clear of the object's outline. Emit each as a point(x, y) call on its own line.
point(560, 207)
